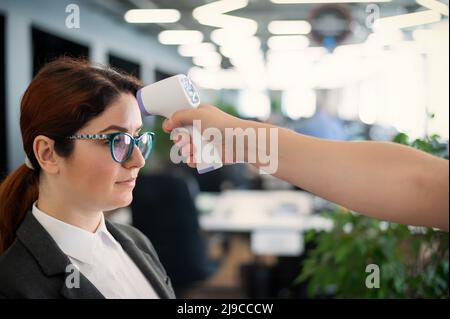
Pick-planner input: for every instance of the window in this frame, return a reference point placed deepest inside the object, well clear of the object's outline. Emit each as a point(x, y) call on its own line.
point(125, 65)
point(47, 47)
point(161, 75)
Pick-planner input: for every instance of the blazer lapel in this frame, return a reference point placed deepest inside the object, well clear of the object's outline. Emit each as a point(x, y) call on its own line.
point(86, 290)
point(51, 259)
point(143, 261)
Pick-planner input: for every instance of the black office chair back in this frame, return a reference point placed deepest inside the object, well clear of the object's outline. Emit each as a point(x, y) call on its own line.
point(164, 210)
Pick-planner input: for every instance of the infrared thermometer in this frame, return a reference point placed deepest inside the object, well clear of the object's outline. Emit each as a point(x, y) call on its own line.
point(167, 96)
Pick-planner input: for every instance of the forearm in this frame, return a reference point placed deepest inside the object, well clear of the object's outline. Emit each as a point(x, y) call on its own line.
point(382, 180)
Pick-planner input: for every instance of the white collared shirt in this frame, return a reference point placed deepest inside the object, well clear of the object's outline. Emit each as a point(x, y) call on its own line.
point(99, 257)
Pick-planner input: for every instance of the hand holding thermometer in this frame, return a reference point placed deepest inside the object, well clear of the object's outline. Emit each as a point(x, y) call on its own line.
point(167, 96)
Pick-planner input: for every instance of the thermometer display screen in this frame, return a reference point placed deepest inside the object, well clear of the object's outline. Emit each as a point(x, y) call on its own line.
point(190, 90)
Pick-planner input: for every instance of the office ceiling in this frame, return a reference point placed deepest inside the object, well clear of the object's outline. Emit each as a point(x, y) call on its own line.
point(262, 11)
point(253, 63)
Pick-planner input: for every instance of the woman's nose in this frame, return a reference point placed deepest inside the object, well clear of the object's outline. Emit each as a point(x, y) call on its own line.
point(136, 159)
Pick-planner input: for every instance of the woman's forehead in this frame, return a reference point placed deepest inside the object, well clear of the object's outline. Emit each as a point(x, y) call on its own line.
point(123, 112)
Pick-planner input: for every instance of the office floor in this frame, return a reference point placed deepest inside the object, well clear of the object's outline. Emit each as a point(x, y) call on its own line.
point(227, 281)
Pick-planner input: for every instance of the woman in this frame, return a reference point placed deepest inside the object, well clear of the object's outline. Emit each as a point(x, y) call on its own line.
point(382, 180)
point(81, 134)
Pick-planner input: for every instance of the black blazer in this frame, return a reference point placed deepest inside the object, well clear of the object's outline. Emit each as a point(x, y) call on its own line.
point(35, 267)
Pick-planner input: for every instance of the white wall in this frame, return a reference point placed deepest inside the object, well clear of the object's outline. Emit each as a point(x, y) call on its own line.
point(101, 33)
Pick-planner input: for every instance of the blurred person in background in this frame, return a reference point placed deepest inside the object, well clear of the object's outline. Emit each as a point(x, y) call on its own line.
point(325, 122)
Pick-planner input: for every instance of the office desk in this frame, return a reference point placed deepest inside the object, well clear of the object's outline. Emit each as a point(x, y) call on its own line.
point(276, 220)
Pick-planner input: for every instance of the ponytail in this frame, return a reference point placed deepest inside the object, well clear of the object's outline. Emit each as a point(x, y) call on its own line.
point(18, 192)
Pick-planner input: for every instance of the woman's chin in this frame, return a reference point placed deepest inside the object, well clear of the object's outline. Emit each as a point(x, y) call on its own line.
point(122, 201)
point(128, 199)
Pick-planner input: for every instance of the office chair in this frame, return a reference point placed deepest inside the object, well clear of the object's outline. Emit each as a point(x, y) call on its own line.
point(164, 210)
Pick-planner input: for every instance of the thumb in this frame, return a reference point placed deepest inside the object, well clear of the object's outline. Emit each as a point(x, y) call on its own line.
point(180, 118)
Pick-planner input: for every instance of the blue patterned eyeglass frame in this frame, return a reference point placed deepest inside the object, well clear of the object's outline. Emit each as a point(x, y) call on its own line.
point(110, 138)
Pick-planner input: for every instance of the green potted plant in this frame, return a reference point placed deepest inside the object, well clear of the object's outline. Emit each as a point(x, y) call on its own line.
point(413, 261)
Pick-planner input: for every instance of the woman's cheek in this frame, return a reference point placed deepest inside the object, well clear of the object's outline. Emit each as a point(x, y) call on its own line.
point(99, 174)
point(103, 174)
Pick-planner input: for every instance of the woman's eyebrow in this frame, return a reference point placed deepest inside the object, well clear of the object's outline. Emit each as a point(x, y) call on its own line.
point(118, 128)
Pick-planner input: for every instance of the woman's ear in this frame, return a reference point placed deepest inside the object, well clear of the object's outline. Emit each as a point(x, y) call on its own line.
point(44, 151)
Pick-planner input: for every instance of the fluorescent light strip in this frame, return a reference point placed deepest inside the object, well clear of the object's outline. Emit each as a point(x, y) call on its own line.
point(407, 20)
point(213, 14)
point(208, 59)
point(179, 37)
point(219, 7)
point(226, 36)
point(244, 47)
point(289, 27)
point(190, 50)
point(440, 7)
point(325, 1)
point(152, 16)
point(242, 25)
point(288, 42)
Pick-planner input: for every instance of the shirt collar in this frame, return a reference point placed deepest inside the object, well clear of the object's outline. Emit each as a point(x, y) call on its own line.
point(73, 241)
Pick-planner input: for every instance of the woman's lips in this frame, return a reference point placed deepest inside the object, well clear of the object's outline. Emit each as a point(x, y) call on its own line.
point(129, 182)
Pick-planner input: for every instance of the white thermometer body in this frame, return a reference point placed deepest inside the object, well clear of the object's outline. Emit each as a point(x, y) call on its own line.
point(167, 96)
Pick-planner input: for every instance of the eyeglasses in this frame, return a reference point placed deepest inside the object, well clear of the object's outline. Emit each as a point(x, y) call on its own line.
point(121, 144)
